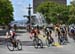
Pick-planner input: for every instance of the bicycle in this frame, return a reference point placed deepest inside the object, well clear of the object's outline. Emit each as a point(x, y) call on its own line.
point(37, 42)
point(62, 40)
point(11, 44)
point(49, 41)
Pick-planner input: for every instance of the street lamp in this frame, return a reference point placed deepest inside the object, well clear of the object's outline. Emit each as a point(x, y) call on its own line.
point(29, 16)
point(29, 13)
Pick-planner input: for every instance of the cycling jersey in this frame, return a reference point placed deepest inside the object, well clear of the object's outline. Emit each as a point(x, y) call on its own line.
point(72, 30)
point(63, 29)
point(10, 33)
point(35, 32)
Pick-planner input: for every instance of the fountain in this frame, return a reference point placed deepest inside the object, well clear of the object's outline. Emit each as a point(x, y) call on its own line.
point(39, 19)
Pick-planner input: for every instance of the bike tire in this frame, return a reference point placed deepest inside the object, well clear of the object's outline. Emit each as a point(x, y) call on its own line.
point(47, 43)
point(19, 45)
point(41, 43)
point(10, 46)
point(35, 44)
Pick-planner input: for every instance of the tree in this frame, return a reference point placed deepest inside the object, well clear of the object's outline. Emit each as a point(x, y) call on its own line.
point(53, 12)
point(6, 12)
point(72, 13)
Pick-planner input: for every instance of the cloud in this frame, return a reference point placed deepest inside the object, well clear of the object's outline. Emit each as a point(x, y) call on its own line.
point(71, 0)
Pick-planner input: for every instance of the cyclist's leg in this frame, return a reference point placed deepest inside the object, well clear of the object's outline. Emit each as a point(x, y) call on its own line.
point(58, 37)
point(13, 41)
point(36, 39)
point(73, 36)
point(66, 38)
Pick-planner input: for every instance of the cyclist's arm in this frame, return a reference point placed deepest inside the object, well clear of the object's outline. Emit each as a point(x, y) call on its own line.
point(6, 35)
point(11, 33)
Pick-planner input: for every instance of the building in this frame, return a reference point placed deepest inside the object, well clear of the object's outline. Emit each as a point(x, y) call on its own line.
point(37, 2)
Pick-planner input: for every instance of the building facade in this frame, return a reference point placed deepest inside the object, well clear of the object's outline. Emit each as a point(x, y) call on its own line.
point(37, 2)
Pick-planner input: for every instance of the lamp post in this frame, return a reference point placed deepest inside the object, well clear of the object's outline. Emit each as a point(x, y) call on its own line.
point(29, 17)
point(29, 13)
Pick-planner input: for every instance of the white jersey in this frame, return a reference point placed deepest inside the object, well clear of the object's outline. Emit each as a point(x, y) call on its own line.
point(9, 33)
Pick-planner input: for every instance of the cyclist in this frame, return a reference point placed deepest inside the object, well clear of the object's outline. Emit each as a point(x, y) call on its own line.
point(72, 32)
point(36, 41)
point(49, 37)
point(58, 32)
point(35, 32)
point(64, 33)
point(10, 34)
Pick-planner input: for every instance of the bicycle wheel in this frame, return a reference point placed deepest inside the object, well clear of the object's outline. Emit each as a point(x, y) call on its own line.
point(10, 46)
point(19, 45)
point(41, 43)
point(35, 44)
point(47, 43)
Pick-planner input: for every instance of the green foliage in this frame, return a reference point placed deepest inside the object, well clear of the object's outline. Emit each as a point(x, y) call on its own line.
point(71, 19)
point(6, 12)
point(72, 13)
point(54, 12)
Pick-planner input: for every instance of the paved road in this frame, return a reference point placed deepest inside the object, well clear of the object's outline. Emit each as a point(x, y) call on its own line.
point(29, 49)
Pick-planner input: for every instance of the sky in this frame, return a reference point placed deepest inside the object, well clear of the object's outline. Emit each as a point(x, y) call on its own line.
point(20, 8)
